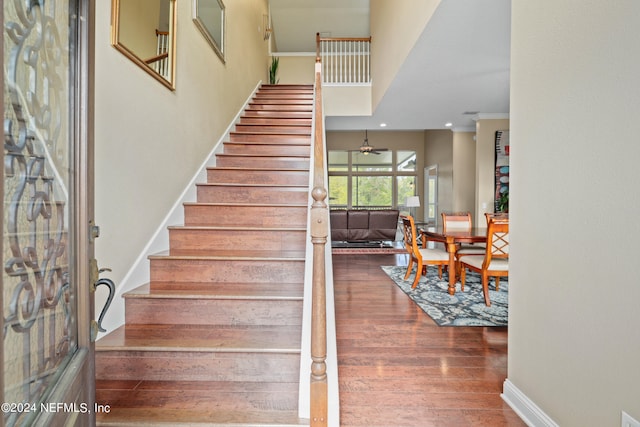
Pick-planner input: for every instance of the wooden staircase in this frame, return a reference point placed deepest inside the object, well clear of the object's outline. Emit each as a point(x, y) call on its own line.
point(214, 338)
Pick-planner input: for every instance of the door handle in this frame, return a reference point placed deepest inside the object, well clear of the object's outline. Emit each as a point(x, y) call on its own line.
point(112, 292)
point(97, 326)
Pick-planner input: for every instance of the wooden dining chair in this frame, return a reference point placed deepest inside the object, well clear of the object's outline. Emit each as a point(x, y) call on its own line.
point(496, 216)
point(495, 261)
point(456, 221)
point(422, 257)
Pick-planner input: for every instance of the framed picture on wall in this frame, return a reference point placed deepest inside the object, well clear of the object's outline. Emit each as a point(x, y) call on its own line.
point(502, 172)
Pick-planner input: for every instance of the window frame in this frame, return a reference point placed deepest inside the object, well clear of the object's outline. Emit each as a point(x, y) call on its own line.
point(394, 174)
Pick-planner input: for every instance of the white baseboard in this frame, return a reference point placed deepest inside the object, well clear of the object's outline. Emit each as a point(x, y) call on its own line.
point(139, 273)
point(526, 409)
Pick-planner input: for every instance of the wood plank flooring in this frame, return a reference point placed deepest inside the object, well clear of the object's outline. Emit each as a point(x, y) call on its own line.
point(397, 368)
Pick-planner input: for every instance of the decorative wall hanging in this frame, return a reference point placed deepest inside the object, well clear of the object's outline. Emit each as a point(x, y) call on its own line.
point(502, 172)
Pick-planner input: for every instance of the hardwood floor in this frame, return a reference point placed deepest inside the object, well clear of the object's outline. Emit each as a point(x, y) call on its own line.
point(398, 368)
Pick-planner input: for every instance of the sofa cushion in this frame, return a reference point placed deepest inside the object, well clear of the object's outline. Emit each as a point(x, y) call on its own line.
point(357, 219)
point(358, 225)
point(383, 224)
point(363, 225)
point(338, 220)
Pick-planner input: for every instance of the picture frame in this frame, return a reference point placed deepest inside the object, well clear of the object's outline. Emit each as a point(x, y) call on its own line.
point(209, 17)
point(145, 32)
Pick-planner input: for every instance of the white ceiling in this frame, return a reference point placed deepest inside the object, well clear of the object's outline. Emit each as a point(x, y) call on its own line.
point(458, 66)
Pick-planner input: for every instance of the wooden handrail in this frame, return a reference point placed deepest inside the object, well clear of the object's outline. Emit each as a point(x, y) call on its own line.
point(337, 39)
point(156, 58)
point(319, 232)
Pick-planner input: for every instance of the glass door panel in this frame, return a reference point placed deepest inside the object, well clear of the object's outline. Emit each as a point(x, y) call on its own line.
point(45, 354)
point(431, 195)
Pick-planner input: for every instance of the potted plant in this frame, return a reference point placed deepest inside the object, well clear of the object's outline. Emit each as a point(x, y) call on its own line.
point(503, 202)
point(273, 70)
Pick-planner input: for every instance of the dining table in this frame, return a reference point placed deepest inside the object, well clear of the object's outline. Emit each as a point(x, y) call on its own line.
point(452, 239)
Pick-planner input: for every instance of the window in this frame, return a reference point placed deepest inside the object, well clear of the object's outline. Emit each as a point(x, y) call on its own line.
point(371, 181)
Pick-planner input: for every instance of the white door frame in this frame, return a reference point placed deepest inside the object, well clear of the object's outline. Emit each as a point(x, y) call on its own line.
point(427, 196)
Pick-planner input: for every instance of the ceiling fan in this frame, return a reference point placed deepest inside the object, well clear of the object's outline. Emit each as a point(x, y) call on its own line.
point(367, 149)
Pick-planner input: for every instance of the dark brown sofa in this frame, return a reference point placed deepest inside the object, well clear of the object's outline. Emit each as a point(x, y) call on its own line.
point(361, 225)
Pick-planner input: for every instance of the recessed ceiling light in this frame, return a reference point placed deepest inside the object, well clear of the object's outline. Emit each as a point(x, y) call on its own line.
point(383, 125)
point(449, 124)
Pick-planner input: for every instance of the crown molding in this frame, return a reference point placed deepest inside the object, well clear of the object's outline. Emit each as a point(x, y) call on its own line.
point(490, 116)
point(463, 129)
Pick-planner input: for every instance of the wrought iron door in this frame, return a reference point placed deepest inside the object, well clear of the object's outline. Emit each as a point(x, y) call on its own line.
point(47, 352)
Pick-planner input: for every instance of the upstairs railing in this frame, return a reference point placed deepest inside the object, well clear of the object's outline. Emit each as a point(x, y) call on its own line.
point(344, 60)
point(319, 231)
point(160, 62)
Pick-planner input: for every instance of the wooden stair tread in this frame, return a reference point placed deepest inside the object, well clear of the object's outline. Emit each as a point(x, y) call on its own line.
point(278, 121)
point(293, 139)
point(282, 101)
point(236, 254)
point(156, 417)
point(293, 95)
point(306, 111)
point(243, 184)
point(221, 291)
point(266, 155)
point(203, 338)
point(233, 227)
point(277, 132)
point(282, 290)
point(278, 114)
point(278, 205)
point(254, 169)
point(273, 129)
point(232, 254)
point(214, 386)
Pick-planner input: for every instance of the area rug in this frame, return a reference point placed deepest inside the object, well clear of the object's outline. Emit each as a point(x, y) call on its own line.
point(462, 309)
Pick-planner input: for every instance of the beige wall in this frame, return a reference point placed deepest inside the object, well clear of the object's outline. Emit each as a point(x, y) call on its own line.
point(395, 27)
point(574, 327)
point(296, 68)
point(464, 172)
point(150, 141)
point(486, 128)
point(439, 151)
point(347, 100)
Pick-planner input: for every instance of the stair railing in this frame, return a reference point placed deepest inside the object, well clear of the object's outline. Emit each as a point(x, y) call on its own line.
point(345, 60)
point(319, 231)
point(160, 61)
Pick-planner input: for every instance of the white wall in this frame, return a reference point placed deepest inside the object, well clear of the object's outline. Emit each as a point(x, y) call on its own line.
point(150, 141)
point(574, 326)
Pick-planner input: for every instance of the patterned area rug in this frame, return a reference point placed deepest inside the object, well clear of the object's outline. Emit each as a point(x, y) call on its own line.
point(462, 309)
